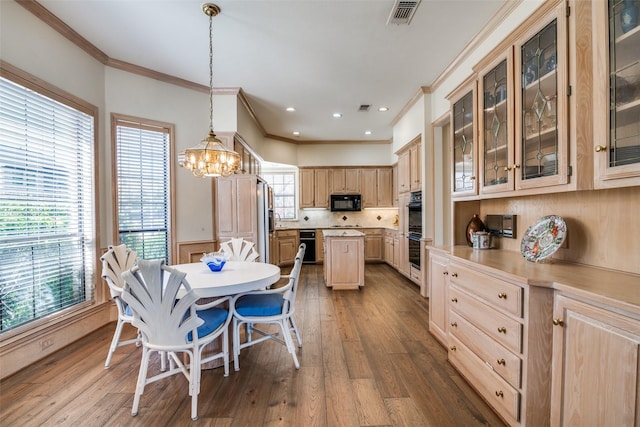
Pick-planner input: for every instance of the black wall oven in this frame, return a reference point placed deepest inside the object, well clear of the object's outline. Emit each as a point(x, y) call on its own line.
point(414, 226)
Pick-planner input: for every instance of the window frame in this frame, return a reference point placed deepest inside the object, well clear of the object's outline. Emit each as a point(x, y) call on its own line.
point(53, 92)
point(116, 119)
point(293, 172)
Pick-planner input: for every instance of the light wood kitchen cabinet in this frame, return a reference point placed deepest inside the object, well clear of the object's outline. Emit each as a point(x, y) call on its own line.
point(345, 181)
point(464, 156)
point(404, 266)
point(376, 186)
point(235, 204)
point(496, 124)
point(499, 338)
point(438, 302)
point(404, 172)
point(314, 188)
point(287, 246)
point(273, 249)
point(319, 246)
point(389, 252)
point(373, 244)
point(344, 259)
point(596, 365)
point(541, 67)
point(415, 166)
point(616, 96)
point(396, 250)
point(394, 185)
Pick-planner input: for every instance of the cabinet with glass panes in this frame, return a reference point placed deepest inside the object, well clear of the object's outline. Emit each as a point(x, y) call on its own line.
point(616, 93)
point(542, 124)
point(495, 123)
point(463, 129)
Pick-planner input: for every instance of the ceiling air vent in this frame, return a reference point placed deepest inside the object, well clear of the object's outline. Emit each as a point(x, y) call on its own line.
point(364, 107)
point(402, 12)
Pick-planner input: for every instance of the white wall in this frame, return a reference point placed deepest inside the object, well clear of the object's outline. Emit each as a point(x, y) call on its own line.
point(344, 155)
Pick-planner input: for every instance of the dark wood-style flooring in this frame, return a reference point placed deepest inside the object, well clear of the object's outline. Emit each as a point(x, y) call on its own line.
point(367, 360)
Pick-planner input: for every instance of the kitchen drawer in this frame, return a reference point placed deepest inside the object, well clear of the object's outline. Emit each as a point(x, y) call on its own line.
point(287, 233)
point(498, 293)
point(372, 231)
point(496, 391)
point(500, 327)
point(498, 358)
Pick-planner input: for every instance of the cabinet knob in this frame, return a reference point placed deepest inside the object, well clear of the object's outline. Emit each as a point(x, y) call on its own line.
point(454, 299)
point(516, 166)
point(454, 324)
point(558, 322)
point(499, 393)
point(502, 330)
point(502, 295)
point(445, 273)
point(600, 148)
point(502, 362)
point(507, 168)
point(454, 274)
point(472, 178)
point(452, 348)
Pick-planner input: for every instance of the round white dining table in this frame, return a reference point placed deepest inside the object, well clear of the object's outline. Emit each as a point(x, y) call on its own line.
point(235, 277)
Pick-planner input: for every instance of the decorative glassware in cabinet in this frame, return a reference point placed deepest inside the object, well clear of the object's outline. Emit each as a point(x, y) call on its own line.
point(539, 87)
point(463, 140)
point(495, 121)
point(624, 72)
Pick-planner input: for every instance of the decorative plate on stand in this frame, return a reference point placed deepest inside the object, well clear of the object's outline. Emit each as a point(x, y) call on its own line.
point(543, 238)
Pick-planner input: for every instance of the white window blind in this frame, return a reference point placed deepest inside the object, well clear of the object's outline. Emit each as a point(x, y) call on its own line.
point(46, 205)
point(142, 163)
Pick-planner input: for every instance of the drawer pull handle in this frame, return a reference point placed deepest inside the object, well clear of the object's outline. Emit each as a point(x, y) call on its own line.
point(502, 330)
point(454, 299)
point(445, 272)
point(499, 393)
point(454, 324)
point(558, 322)
point(502, 295)
point(454, 274)
point(452, 348)
point(502, 362)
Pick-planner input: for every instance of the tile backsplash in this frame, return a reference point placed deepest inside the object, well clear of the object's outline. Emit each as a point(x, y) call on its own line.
point(318, 218)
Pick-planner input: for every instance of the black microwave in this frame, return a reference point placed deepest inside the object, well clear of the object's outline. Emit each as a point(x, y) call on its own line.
point(345, 202)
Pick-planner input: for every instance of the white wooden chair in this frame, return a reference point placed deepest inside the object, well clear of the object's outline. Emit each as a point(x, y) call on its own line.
point(165, 311)
point(271, 306)
point(115, 261)
point(238, 249)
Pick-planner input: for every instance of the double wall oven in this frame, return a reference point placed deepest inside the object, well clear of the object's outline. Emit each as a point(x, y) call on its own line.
point(414, 222)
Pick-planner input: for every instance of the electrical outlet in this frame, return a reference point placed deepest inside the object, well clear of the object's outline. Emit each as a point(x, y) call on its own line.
point(46, 343)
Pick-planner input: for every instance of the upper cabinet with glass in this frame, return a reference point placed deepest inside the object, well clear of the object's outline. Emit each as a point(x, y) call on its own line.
point(463, 113)
point(542, 122)
point(617, 93)
point(496, 124)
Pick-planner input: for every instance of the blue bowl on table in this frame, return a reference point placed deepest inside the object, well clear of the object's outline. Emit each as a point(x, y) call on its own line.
point(215, 261)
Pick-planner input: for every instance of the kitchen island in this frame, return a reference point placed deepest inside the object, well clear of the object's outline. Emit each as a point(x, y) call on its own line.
point(344, 259)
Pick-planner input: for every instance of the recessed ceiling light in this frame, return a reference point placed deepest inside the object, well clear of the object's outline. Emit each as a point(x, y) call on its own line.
point(337, 115)
point(291, 109)
point(296, 133)
point(383, 109)
point(367, 132)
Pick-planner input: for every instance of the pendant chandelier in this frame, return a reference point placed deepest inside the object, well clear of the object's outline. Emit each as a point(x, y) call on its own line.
point(210, 157)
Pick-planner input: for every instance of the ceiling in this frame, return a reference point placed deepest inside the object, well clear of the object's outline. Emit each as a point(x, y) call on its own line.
point(318, 56)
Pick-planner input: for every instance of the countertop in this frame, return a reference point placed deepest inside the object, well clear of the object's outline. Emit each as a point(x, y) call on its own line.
point(615, 288)
point(332, 227)
point(342, 233)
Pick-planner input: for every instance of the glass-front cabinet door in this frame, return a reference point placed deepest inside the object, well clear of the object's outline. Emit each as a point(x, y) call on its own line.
point(617, 94)
point(464, 149)
point(543, 125)
point(496, 125)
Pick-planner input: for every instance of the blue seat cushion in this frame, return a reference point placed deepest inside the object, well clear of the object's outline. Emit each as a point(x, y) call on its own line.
point(213, 319)
point(260, 305)
point(127, 310)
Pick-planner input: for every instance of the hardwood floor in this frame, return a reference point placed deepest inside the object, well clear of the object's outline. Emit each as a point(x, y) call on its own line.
point(367, 360)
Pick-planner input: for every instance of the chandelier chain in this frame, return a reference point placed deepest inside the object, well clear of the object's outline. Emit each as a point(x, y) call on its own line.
point(211, 72)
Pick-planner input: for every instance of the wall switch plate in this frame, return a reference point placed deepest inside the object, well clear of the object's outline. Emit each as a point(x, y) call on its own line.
point(502, 225)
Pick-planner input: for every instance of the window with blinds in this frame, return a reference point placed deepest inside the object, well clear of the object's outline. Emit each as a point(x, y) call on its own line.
point(143, 184)
point(46, 205)
point(284, 193)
